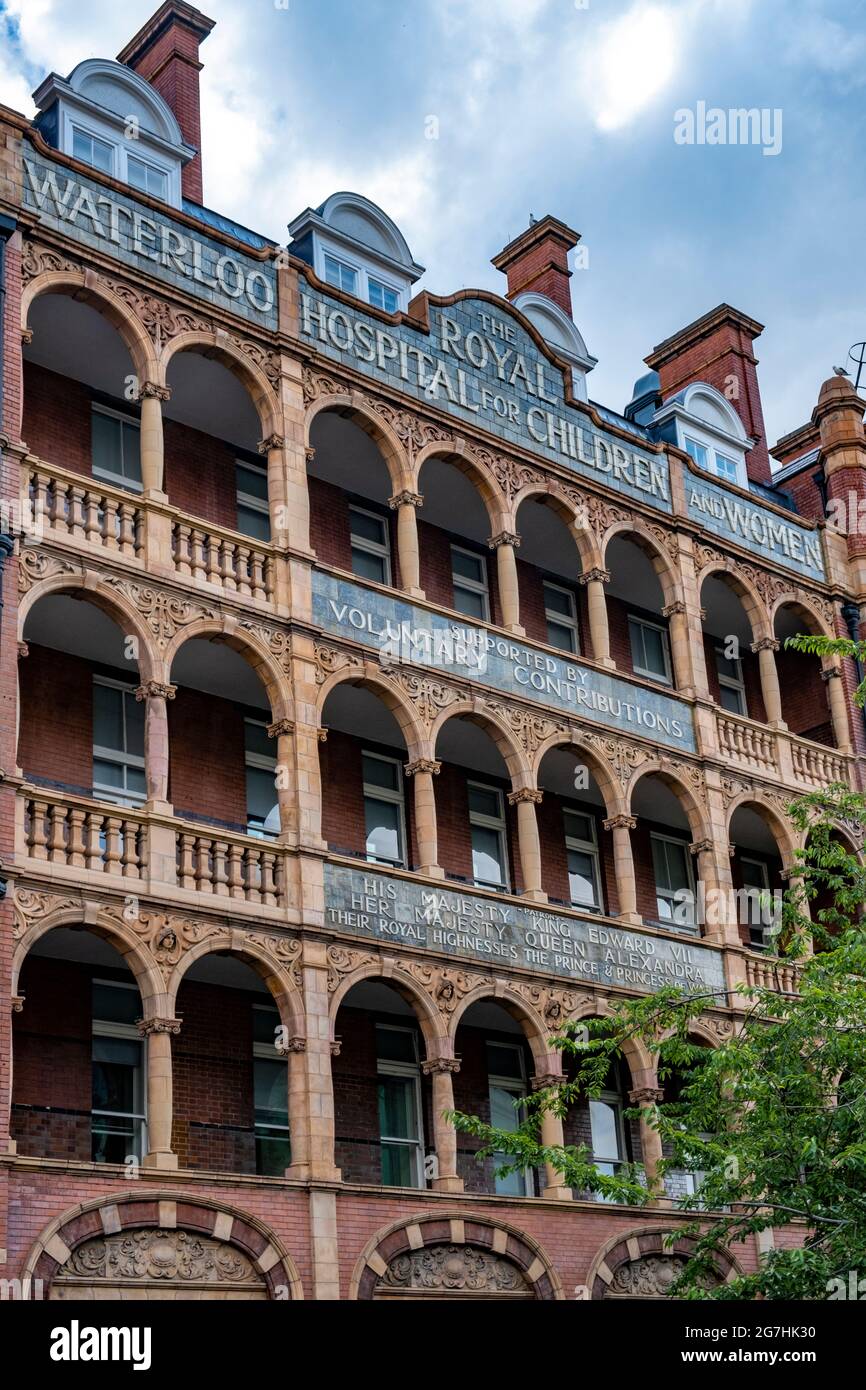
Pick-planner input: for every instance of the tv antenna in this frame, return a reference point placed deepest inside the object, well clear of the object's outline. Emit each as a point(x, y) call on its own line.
point(857, 355)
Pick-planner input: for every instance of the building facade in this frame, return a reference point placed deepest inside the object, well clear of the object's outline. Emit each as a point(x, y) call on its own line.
point(372, 702)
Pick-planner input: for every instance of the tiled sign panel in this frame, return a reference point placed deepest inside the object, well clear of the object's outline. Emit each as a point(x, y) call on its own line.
point(402, 633)
point(139, 237)
point(767, 535)
point(481, 366)
point(448, 920)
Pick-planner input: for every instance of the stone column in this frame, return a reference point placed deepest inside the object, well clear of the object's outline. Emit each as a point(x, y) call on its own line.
point(156, 746)
point(681, 646)
point(623, 860)
point(832, 677)
point(594, 581)
point(526, 799)
point(423, 770)
point(405, 504)
point(441, 1069)
point(505, 544)
point(283, 731)
point(313, 1109)
point(157, 1033)
point(766, 649)
point(555, 1187)
point(647, 1098)
point(151, 396)
point(293, 1050)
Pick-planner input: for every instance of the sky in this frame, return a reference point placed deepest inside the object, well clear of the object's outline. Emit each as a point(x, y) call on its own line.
point(462, 117)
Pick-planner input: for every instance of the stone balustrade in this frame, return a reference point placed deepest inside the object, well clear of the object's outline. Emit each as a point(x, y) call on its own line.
point(817, 766)
point(68, 505)
point(228, 560)
point(67, 831)
point(229, 866)
point(744, 741)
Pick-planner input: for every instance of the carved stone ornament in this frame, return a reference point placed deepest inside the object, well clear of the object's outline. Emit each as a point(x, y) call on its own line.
point(342, 961)
point(146, 1026)
point(155, 690)
point(36, 565)
point(31, 905)
point(152, 390)
point(273, 441)
point(164, 611)
point(281, 726)
point(441, 1064)
point(650, 1276)
point(422, 765)
point(177, 1256)
point(454, 1267)
point(531, 794)
point(41, 260)
point(504, 538)
point(446, 987)
point(621, 822)
point(405, 499)
point(594, 576)
point(532, 729)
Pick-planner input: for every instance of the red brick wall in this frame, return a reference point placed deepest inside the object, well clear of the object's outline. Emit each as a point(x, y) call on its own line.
point(200, 474)
point(343, 824)
point(804, 696)
point(212, 1064)
point(172, 64)
point(56, 736)
point(207, 775)
point(806, 493)
point(751, 678)
point(56, 422)
point(51, 1094)
point(472, 1096)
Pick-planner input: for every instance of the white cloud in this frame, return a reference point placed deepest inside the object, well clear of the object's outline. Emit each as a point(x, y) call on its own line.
point(632, 61)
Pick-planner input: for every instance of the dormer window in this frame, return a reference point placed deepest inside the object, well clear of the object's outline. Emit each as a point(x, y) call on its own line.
point(352, 245)
point(146, 177)
point(701, 421)
point(713, 460)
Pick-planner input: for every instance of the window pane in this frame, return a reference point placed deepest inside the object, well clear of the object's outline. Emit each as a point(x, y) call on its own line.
point(137, 173)
point(504, 1061)
point(383, 830)
point(398, 1165)
point(381, 772)
point(367, 528)
point(678, 874)
point(135, 780)
point(581, 878)
point(484, 802)
point(578, 827)
point(731, 699)
point(271, 1091)
point(382, 296)
point(113, 1005)
point(134, 711)
point(107, 716)
point(653, 645)
point(256, 740)
point(754, 874)
point(725, 467)
point(469, 603)
point(698, 453)
point(561, 637)
point(336, 273)
point(558, 601)
point(398, 1114)
point(252, 482)
point(115, 1074)
point(468, 566)
point(131, 438)
point(727, 665)
point(254, 523)
point(82, 146)
point(108, 774)
point(265, 1024)
point(368, 566)
point(395, 1045)
point(105, 435)
point(262, 808)
point(604, 1125)
point(487, 856)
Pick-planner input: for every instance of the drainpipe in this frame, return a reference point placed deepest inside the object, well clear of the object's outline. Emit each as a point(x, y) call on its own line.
point(7, 227)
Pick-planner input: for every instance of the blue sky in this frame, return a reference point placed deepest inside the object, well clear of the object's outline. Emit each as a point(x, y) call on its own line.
point(545, 106)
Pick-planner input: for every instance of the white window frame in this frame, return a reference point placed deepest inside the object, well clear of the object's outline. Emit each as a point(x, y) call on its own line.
point(729, 683)
point(344, 264)
point(117, 755)
point(570, 621)
point(500, 825)
point(117, 479)
point(410, 1071)
point(381, 551)
point(759, 929)
point(589, 847)
point(383, 284)
point(262, 763)
point(614, 1100)
point(72, 121)
point(671, 893)
point(472, 586)
point(519, 1088)
point(393, 798)
point(667, 679)
point(77, 127)
point(246, 499)
point(127, 1032)
point(715, 453)
point(148, 164)
point(266, 1052)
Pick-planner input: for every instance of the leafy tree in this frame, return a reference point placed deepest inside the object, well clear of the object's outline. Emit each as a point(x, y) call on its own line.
point(775, 1117)
point(817, 644)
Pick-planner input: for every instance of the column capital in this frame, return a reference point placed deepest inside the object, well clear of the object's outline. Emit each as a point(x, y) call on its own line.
point(441, 1064)
point(151, 390)
point(504, 538)
point(309, 453)
point(23, 649)
point(543, 1080)
point(423, 765)
point(405, 499)
point(596, 575)
point(831, 673)
point(322, 735)
point(17, 1002)
point(766, 644)
point(281, 726)
point(294, 1044)
point(619, 823)
point(533, 794)
point(646, 1095)
point(146, 1026)
point(335, 1047)
point(670, 609)
point(155, 690)
point(273, 441)
point(700, 847)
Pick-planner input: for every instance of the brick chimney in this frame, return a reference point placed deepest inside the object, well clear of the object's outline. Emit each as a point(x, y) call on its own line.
point(538, 260)
point(717, 348)
point(165, 53)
